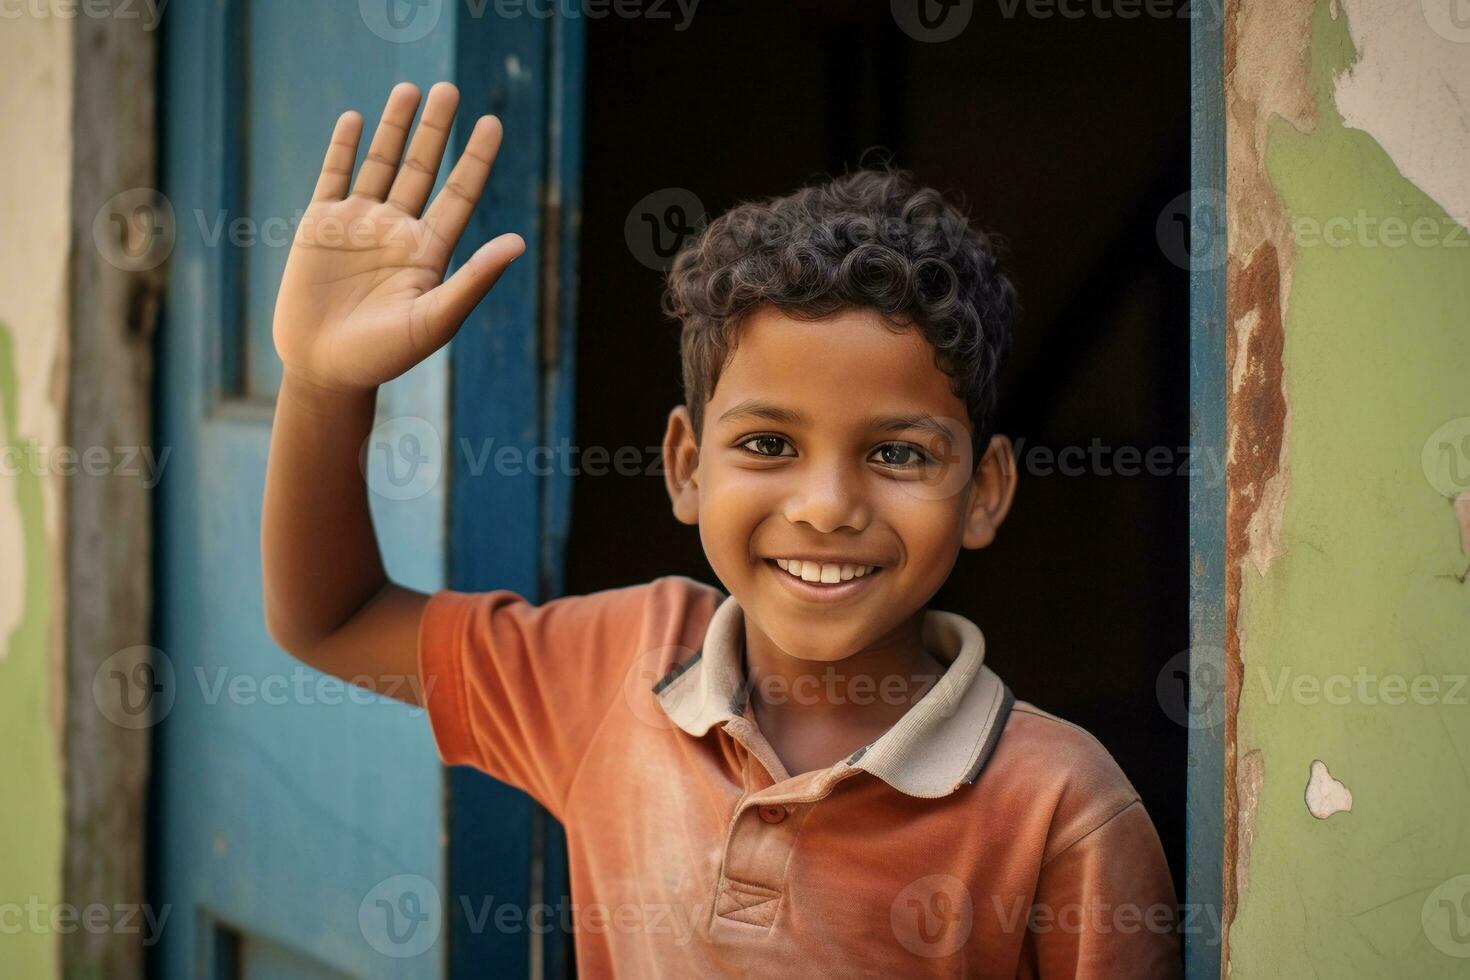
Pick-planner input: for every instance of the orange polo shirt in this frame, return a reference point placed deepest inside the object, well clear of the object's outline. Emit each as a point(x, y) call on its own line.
point(979, 836)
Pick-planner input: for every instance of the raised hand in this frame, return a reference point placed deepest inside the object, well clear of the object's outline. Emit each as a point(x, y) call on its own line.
point(363, 297)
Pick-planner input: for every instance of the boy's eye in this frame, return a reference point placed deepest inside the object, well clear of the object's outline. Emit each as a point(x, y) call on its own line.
point(901, 455)
point(765, 443)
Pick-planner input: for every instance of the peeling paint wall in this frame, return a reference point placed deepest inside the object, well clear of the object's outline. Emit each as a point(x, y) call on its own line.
point(1347, 600)
point(35, 215)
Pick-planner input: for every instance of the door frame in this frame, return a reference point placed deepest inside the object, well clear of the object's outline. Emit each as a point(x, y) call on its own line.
point(513, 378)
point(113, 290)
point(1209, 719)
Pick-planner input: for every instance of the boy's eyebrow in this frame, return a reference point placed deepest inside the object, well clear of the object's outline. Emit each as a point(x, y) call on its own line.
point(751, 408)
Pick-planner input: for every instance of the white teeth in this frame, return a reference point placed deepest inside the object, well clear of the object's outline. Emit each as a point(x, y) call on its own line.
point(824, 572)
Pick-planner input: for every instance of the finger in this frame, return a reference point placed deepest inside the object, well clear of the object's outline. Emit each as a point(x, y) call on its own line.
point(376, 175)
point(416, 178)
point(439, 312)
point(454, 204)
point(336, 173)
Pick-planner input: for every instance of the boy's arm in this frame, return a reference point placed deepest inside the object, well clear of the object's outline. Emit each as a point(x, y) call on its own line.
point(363, 298)
point(1105, 906)
point(328, 601)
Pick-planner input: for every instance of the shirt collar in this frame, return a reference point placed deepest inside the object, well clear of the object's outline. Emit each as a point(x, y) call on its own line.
point(940, 744)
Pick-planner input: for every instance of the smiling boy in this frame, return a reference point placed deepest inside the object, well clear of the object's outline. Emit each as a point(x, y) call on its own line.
point(808, 772)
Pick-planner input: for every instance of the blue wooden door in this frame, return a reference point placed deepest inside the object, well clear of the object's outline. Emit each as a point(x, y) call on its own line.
point(300, 828)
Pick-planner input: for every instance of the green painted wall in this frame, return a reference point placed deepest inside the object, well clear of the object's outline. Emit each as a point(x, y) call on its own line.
point(30, 792)
point(1376, 359)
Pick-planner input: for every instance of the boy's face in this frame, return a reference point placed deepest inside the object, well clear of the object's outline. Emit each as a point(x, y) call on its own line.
point(815, 447)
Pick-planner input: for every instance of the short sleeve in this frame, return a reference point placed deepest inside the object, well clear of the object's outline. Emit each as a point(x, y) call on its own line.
point(519, 690)
point(1105, 906)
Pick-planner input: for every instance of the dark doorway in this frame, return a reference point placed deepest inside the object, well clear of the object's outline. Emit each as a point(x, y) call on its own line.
point(1068, 136)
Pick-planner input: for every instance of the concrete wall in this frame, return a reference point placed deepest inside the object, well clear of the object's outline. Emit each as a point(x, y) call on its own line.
point(76, 325)
point(35, 218)
point(1348, 137)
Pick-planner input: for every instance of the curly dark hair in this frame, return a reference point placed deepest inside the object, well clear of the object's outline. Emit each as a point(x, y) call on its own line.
point(870, 238)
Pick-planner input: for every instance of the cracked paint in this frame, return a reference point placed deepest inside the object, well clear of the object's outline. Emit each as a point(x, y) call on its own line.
point(1409, 89)
point(1462, 514)
point(1248, 778)
point(1267, 73)
point(1326, 795)
point(1257, 413)
point(36, 220)
point(1337, 547)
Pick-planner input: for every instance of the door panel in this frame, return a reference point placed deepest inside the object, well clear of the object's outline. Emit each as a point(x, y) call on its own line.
point(300, 828)
point(299, 66)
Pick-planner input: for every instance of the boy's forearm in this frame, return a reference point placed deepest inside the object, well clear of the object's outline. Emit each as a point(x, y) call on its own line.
point(319, 551)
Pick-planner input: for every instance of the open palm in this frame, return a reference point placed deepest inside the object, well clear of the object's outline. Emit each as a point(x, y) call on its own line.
point(363, 297)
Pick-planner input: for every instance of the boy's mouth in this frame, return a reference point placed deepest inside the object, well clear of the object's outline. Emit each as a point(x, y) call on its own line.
point(805, 579)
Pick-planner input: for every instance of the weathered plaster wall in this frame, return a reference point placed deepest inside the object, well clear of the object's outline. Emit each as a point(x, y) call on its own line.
point(1348, 136)
point(35, 215)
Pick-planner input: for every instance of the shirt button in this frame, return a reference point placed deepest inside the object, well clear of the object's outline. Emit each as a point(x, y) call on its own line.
point(773, 814)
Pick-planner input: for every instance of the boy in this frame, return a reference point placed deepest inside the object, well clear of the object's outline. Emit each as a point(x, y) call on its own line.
point(811, 775)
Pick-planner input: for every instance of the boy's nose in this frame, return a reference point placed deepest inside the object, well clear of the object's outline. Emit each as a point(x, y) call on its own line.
point(827, 499)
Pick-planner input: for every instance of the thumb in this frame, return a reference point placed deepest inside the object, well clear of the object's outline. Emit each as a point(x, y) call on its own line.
point(447, 305)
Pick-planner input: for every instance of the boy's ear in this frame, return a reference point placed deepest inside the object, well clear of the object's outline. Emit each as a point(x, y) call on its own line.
point(991, 492)
point(681, 465)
